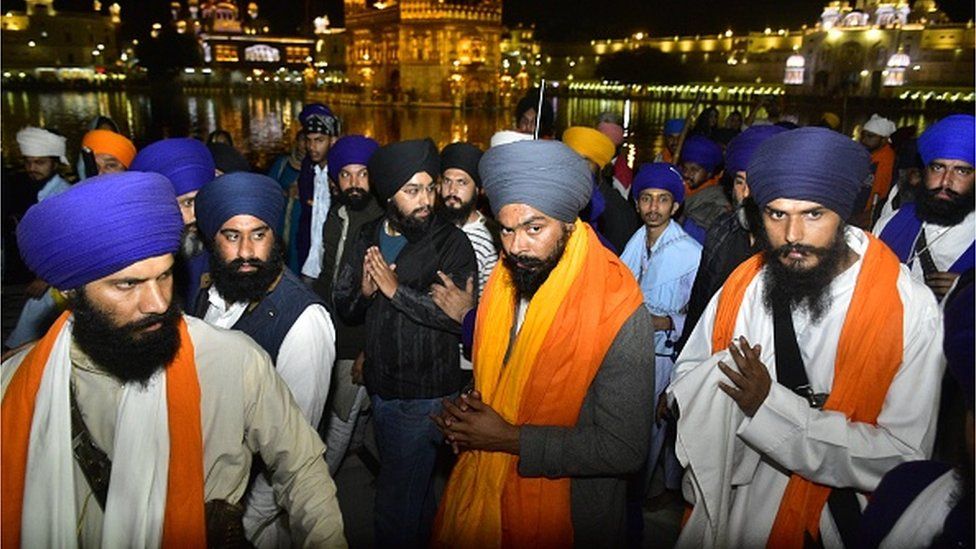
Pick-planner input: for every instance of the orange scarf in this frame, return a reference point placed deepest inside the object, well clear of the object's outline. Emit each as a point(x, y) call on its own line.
point(183, 525)
point(569, 326)
point(869, 354)
point(689, 192)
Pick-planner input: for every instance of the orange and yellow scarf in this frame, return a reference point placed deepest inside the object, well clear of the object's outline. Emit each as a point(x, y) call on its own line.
point(569, 326)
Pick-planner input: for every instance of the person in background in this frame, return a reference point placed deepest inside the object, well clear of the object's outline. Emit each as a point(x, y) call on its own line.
point(220, 136)
point(285, 170)
point(526, 115)
point(109, 152)
point(874, 137)
point(98, 123)
point(672, 133)
point(227, 159)
point(705, 200)
point(321, 129)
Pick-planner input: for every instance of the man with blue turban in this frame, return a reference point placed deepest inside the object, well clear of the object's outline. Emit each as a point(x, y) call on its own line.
point(188, 165)
point(672, 133)
point(321, 128)
point(411, 349)
point(563, 381)
point(814, 370)
point(705, 200)
point(251, 291)
point(934, 235)
point(664, 260)
point(129, 424)
point(355, 206)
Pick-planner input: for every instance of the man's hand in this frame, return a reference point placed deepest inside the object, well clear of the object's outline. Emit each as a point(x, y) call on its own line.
point(662, 323)
point(752, 381)
point(470, 424)
point(356, 373)
point(383, 275)
point(36, 288)
point(663, 412)
point(368, 285)
point(941, 283)
point(452, 300)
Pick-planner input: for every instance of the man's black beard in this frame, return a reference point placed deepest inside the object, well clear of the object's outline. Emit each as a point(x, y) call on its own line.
point(943, 212)
point(808, 288)
point(533, 272)
point(354, 198)
point(409, 226)
point(126, 352)
point(237, 287)
point(459, 215)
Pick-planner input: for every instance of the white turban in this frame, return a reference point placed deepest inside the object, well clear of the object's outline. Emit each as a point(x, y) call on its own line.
point(880, 125)
point(505, 137)
point(38, 142)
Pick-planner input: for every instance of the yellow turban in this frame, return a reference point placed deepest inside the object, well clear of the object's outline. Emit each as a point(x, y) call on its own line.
point(109, 142)
point(590, 144)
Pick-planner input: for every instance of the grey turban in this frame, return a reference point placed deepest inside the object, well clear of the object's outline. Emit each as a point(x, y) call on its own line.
point(546, 175)
point(813, 164)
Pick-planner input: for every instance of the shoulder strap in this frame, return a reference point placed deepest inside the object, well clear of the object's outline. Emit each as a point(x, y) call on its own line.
point(94, 463)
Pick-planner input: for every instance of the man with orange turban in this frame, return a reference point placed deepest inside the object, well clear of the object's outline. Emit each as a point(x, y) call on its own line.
point(110, 151)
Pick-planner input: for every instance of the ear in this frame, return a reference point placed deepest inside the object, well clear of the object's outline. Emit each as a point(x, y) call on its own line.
point(674, 208)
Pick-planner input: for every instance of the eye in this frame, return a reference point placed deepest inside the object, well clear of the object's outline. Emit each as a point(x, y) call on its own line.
point(773, 214)
point(936, 167)
point(963, 170)
point(125, 285)
point(505, 231)
point(230, 237)
point(259, 235)
point(534, 229)
point(817, 214)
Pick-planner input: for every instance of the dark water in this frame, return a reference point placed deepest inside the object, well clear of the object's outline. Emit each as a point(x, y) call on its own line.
point(263, 123)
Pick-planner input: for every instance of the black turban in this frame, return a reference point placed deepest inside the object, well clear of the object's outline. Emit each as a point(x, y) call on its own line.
point(464, 157)
point(393, 165)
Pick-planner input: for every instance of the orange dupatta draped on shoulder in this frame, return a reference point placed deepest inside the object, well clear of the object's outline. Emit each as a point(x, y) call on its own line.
point(569, 326)
point(183, 524)
point(869, 354)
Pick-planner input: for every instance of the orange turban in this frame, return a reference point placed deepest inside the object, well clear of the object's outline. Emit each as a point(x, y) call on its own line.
point(590, 144)
point(109, 142)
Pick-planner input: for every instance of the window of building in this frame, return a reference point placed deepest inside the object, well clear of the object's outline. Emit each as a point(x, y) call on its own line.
point(261, 53)
point(296, 54)
point(226, 53)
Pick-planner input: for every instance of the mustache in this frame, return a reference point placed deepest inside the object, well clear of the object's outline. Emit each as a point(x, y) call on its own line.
point(953, 195)
point(151, 319)
point(787, 249)
point(240, 262)
point(525, 262)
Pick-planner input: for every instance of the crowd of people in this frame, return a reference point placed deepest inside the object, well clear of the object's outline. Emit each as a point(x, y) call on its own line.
point(764, 315)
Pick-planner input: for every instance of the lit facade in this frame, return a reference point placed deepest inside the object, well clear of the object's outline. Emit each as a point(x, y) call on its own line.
point(45, 39)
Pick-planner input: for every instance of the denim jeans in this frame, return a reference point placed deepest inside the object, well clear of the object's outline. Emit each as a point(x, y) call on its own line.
point(408, 443)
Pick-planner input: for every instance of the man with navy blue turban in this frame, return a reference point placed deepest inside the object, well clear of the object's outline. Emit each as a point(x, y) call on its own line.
point(816, 367)
point(252, 292)
point(411, 348)
point(123, 382)
point(705, 200)
point(934, 235)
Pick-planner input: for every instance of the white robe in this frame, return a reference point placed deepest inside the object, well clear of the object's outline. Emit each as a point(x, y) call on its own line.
point(737, 466)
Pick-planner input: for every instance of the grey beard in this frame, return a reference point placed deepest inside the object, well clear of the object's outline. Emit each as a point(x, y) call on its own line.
point(740, 214)
point(190, 244)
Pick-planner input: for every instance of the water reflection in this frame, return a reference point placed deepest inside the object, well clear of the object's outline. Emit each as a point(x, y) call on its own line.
point(263, 124)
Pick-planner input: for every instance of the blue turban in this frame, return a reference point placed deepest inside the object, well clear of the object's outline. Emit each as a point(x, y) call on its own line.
point(186, 162)
point(959, 336)
point(950, 138)
point(702, 151)
point(351, 149)
point(99, 227)
point(673, 126)
point(659, 175)
point(317, 118)
point(740, 149)
point(814, 164)
point(546, 175)
point(238, 193)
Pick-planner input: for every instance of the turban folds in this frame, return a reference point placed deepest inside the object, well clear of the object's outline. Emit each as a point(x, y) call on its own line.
point(673, 126)
point(38, 142)
point(880, 125)
point(505, 137)
point(351, 149)
point(813, 164)
point(391, 166)
point(99, 227)
point(546, 175)
point(741, 148)
point(238, 193)
point(227, 159)
point(702, 151)
point(950, 139)
point(464, 157)
point(659, 175)
point(109, 142)
point(590, 144)
point(317, 118)
point(186, 162)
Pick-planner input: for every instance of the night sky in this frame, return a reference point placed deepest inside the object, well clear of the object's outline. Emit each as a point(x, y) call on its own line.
point(554, 19)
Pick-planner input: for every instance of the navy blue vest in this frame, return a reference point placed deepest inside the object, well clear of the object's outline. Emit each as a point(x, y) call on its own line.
point(268, 322)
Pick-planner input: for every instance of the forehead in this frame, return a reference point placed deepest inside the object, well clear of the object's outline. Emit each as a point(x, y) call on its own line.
point(243, 223)
point(106, 157)
point(353, 168)
point(952, 163)
point(316, 136)
point(790, 205)
point(513, 215)
point(692, 165)
point(655, 193)
point(456, 173)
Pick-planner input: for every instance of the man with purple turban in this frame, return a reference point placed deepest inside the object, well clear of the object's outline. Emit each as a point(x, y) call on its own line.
point(705, 200)
point(354, 207)
point(321, 129)
point(189, 166)
point(814, 370)
point(664, 260)
point(129, 424)
point(934, 235)
point(411, 346)
point(251, 291)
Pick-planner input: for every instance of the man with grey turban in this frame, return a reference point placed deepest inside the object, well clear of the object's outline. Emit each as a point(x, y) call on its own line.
point(411, 346)
point(813, 371)
point(560, 413)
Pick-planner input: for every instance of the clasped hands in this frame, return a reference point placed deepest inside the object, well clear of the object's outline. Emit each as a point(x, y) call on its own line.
point(378, 275)
point(467, 423)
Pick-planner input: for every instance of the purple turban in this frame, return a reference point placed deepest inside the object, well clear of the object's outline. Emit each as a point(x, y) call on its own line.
point(351, 149)
point(238, 193)
point(186, 162)
point(959, 337)
point(673, 126)
point(740, 149)
point(814, 164)
point(317, 118)
point(464, 157)
point(391, 166)
point(950, 138)
point(702, 151)
point(659, 175)
point(99, 227)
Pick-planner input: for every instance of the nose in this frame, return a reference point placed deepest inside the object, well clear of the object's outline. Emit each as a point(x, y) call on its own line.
point(426, 198)
point(517, 246)
point(794, 230)
point(246, 249)
point(154, 299)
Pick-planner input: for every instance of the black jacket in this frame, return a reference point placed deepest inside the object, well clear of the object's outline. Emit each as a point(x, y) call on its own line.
point(412, 347)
